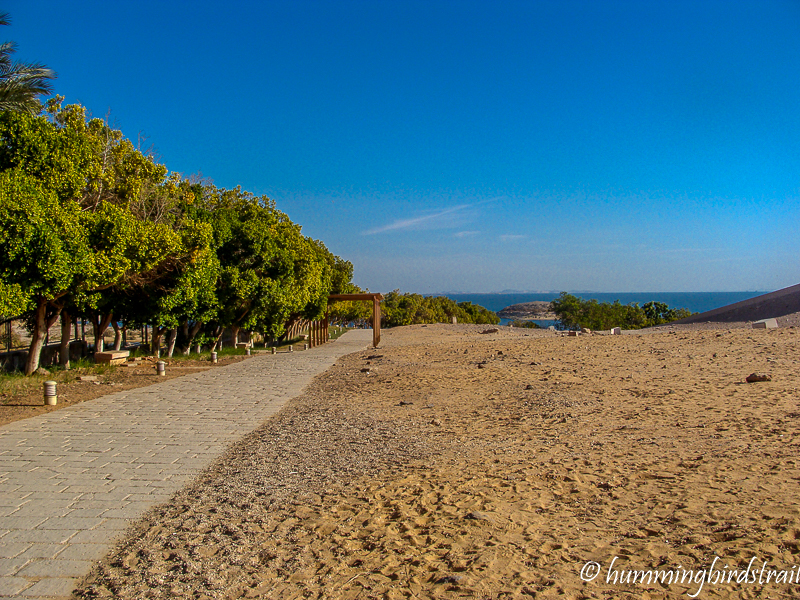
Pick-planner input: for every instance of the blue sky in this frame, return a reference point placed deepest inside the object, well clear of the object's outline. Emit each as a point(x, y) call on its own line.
point(473, 146)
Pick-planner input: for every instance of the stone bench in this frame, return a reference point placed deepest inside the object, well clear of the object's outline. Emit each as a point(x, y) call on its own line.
point(111, 358)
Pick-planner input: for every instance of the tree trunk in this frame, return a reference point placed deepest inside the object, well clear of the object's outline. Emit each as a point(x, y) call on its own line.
point(173, 336)
point(217, 339)
point(100, 323)
point(191, 333)
point(63, 353)
point(187, 342)
point(235, 334)
point(117, 336)
point(98, 339)
point(37, 338)
point(155, 347)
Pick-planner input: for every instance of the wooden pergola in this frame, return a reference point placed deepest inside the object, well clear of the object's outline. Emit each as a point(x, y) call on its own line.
point(376, 310)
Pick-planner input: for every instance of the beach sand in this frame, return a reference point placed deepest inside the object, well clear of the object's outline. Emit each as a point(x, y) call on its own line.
point(455, 464)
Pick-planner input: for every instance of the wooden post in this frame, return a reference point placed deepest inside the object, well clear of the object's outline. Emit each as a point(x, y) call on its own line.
point(326, 332)
point(376, 322)
point(376, 311)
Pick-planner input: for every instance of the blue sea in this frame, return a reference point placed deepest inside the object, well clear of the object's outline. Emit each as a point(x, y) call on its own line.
point(693, 301)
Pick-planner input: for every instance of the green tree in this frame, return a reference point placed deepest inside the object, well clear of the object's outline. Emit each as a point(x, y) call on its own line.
point(21, 83)
point(398, 309)
point(574, 313)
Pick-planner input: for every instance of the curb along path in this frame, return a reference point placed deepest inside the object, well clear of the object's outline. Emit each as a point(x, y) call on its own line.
point(73, 480)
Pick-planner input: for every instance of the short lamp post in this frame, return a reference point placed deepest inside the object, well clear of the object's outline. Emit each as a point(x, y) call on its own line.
point(50, 393)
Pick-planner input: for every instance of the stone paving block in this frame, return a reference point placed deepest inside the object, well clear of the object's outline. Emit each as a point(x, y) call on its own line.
point(115, 495)
point(95, 536)
point(10, 498)
point(69, 522)
point(39, 536)
point(13, 550)
point(86, 513)
point(41, 486)
point(48, 496)
point(51, 587)
point(101, 505)
point(44, 507)
point(42, 551)
point(143, 498)
point(11, 566)
point(126, 513)
point(9, 586)
point(113, 524)
point(83, 552)
point(55, 567)
point(14, 523)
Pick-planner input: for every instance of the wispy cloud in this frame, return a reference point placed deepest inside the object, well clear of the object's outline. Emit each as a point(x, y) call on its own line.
point(511, 238)
point(409, 223)
point(462, 234)
point(426, 220)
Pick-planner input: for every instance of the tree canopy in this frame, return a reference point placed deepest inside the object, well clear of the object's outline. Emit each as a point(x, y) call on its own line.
point(90, 226)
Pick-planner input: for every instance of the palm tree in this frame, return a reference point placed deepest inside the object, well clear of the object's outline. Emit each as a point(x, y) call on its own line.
point(21, 83)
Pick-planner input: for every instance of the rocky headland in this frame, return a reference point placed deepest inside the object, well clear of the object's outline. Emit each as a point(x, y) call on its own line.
point(528, 311)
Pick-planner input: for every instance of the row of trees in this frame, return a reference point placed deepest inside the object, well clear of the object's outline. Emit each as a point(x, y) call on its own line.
point(92, 227)
point(410, 309)
point(574, 312)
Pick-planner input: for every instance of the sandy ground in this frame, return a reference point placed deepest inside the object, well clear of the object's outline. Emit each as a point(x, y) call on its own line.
point(454, 464)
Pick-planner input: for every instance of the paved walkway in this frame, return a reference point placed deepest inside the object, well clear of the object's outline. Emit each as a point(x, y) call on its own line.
point(72, 481)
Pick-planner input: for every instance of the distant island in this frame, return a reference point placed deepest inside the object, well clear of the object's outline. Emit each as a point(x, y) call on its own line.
point(528, 311)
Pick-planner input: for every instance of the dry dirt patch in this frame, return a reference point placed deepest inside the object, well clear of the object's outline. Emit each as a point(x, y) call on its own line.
point(26, 398)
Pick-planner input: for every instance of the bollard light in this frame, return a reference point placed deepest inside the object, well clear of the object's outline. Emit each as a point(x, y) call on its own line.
point(291, 349)
point(247, 351)
point(161, 368)
point(50, 394)
point(305, 346)
point(214, 357)
point(274, 350)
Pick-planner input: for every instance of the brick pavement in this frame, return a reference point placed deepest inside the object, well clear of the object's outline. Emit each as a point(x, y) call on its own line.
point(73, 480)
